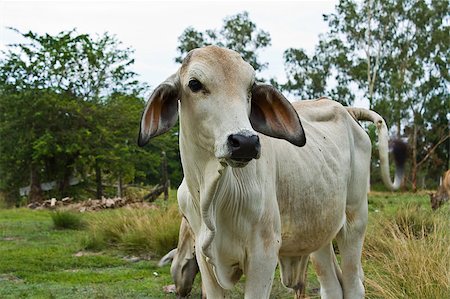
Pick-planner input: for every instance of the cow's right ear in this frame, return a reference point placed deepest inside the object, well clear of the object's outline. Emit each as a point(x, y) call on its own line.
point(161, 111)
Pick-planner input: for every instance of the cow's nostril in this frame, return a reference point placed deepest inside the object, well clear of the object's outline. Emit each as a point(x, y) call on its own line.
point(244, 148)
point(233, 141)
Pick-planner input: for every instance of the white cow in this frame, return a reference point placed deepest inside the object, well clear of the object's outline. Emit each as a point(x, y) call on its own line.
point(184, 265)
point(442, 195)
point(255, 198)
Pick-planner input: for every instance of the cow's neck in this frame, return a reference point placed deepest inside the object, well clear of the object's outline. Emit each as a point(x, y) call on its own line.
point(221, 191)
point(195, 161)
point(200, 166)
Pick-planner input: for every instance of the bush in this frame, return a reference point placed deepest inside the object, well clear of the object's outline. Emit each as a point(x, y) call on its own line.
point(408, 255)
point(136, 193)
point(67, 220)
point(153, 232)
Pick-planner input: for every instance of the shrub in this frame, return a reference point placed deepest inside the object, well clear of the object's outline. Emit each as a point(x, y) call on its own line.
point(136, 193)
point(67, 220)
point(153, 232)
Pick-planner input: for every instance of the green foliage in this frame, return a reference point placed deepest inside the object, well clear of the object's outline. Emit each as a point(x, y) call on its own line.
point(415, 221)
point(77, 64)
point(70, 107)
point(151, 170)
point(238, 33)
point(67, 220)
point(395, 54)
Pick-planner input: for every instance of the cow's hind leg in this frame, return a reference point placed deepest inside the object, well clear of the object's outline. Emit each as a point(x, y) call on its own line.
point(293, 274)
point(350, 241)
point(328, 272)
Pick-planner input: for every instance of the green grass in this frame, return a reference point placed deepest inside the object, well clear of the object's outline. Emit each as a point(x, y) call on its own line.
point(405, 254)
point(39, 261)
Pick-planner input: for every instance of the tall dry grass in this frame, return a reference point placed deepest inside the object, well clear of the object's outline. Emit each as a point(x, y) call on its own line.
point(135, 231)
point(407, 255)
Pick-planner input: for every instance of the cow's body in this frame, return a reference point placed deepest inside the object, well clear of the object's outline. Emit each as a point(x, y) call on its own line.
point(305, 196)
point(286, 201)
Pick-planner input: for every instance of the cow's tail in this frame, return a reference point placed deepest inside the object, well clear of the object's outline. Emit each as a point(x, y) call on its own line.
point(399, 147)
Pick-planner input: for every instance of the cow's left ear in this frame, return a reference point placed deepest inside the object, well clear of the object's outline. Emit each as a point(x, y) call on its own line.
point(273, 115)
point(161, 111)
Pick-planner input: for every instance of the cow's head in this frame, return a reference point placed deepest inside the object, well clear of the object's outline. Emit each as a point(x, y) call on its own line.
point(437, 199)
point(434, 200)
point(184, 265)
point(221, 107)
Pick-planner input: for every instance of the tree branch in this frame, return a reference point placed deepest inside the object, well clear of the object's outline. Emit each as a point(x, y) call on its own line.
point(443, 139)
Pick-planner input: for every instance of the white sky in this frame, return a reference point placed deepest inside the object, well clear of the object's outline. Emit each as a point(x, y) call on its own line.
point(152, 28)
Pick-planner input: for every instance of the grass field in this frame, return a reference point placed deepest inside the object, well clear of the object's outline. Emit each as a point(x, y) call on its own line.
point(406, 255)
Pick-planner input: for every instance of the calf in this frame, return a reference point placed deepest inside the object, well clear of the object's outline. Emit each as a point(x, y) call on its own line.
point(184, 265)
point(443, 193)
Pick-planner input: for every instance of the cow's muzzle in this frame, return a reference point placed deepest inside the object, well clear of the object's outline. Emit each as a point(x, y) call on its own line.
point(243, 148)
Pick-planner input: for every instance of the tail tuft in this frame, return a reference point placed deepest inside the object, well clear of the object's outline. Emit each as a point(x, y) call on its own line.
point(400, 152)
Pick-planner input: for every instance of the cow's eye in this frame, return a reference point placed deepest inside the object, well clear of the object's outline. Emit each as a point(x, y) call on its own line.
point(195, 85)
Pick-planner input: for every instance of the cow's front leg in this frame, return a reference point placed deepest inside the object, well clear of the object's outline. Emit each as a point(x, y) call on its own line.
point(210, 287)
point(262, 260)
point(259, 277)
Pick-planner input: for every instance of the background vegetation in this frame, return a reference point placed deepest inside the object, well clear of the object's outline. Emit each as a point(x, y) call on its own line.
point(70, 105)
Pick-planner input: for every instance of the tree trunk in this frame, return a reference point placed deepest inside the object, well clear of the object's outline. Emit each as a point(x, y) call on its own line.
point(414, 159)
point(65, 182)
point(164, 175)
point(98, 179)
point(35, 194)
point(120, 186)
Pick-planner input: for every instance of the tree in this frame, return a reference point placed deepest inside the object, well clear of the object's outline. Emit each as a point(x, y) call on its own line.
point(238, 33)
point(418, 79)
point(125, 162)
point(53, 93)
point(395, 54)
